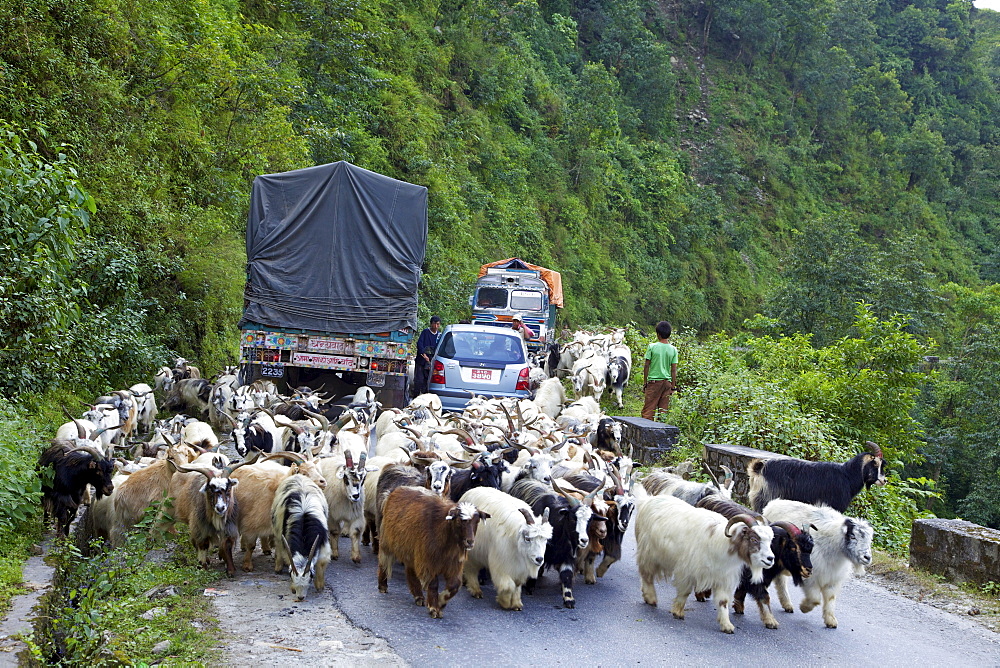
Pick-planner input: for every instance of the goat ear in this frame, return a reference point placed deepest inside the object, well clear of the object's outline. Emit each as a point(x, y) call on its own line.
point(483, 515)
point(449, 517)
point(233, 482)
point(203, 488)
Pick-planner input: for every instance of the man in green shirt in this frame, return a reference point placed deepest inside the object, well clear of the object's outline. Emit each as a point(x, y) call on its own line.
point(659, 374)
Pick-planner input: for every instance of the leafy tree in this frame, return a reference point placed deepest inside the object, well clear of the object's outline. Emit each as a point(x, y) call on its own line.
point(44, 213)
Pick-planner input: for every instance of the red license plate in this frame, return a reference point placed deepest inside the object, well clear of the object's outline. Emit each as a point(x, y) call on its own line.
point(482, 374)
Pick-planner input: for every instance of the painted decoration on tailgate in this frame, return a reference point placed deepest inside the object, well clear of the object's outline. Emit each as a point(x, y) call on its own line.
point(323, 361)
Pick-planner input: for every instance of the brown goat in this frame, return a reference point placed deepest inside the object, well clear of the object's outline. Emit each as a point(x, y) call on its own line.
point(255, 494)
point(431, 535)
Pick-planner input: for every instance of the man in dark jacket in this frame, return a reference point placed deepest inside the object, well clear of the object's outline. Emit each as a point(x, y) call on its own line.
point(425, 349)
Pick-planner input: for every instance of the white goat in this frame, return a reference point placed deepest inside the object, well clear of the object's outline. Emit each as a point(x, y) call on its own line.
point(511, 545)
point(695, 546)
point(841, 545)
point(550, 397)
point(344, 491)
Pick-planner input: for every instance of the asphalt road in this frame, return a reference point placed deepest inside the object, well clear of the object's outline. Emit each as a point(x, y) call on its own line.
point(611, 626)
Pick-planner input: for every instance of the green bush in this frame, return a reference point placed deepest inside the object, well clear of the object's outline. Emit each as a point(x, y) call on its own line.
point(94, 614)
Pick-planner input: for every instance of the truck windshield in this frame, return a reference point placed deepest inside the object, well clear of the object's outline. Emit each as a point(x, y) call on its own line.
point(525, 300)
point(482, 347)
point(491, 298)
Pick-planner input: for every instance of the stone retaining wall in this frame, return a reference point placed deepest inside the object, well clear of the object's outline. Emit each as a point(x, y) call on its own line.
point(957, 549)
point(646, 441)
point(736, 457)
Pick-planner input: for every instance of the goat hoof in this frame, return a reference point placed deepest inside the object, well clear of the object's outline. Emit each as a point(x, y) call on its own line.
point(419, 600)
point(356, 560)
point(569, 603)
point(771, 625)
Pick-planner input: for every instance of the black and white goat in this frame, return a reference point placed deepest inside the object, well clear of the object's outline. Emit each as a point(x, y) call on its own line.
point(827, 483)
point(299, 516)
point(619, 369)
point(569, 518)
point(663, 483)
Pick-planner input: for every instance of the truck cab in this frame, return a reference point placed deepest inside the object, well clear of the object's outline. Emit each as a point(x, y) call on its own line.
point(516, 287)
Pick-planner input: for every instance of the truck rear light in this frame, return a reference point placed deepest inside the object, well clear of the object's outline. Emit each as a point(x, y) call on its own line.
point(437, 373)
point(522, 380)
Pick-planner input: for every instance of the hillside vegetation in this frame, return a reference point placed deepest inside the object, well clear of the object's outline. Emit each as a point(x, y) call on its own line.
point(696, 160)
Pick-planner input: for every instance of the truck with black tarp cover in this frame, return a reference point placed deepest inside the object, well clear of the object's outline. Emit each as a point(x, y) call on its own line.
point(333, 263)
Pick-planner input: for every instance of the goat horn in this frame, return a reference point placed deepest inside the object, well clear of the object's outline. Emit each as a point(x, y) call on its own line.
point(291, 563)
point(520, 415)
point(458, 463)
point(528, 517)
point(460, 432)
point(874, 449)
point(573, 501)
point(81, 431)
point(294, 456)
point(312, 550)
point(749, 520)
point(94, 452)
point(709, 469)
point(470, 450)
point(208, 473)
point(510, 420)
point(792, 530)
point(228, 470)
point(616, 476)
point(728, 474)
point(419, 460)
point(101, 431)
point(319, 416)
point(415, 434)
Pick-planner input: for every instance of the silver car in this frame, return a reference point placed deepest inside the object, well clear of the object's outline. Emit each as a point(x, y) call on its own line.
point(479, 359)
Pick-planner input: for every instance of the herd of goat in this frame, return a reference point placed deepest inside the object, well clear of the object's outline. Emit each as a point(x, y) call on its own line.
point(505, 489)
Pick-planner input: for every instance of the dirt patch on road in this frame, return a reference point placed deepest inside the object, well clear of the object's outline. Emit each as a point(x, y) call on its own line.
point(896, 576)
point(263, 625)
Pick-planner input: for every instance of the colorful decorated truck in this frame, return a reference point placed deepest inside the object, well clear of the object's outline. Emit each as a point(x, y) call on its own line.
point(513, 286)
point(333, 263)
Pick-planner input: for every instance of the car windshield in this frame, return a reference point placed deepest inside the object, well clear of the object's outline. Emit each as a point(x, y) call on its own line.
point(491, 298)
point(525, 300)
point(482, 347)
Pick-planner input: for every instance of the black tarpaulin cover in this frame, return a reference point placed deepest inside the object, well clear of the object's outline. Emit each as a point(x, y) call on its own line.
point(334, 248)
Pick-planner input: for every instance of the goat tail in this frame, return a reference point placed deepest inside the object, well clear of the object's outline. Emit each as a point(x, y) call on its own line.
point(759, 495)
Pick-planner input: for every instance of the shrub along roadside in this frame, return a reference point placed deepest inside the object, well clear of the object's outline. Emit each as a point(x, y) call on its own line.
point(115, 606)
point(20, 493)
point(783, 395)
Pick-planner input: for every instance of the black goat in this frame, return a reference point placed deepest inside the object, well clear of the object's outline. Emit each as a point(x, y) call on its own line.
point(621, 505)
point(817, 483)
point(486, 470)
point(74, 467)
point(792, 548)
point(569, 518)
